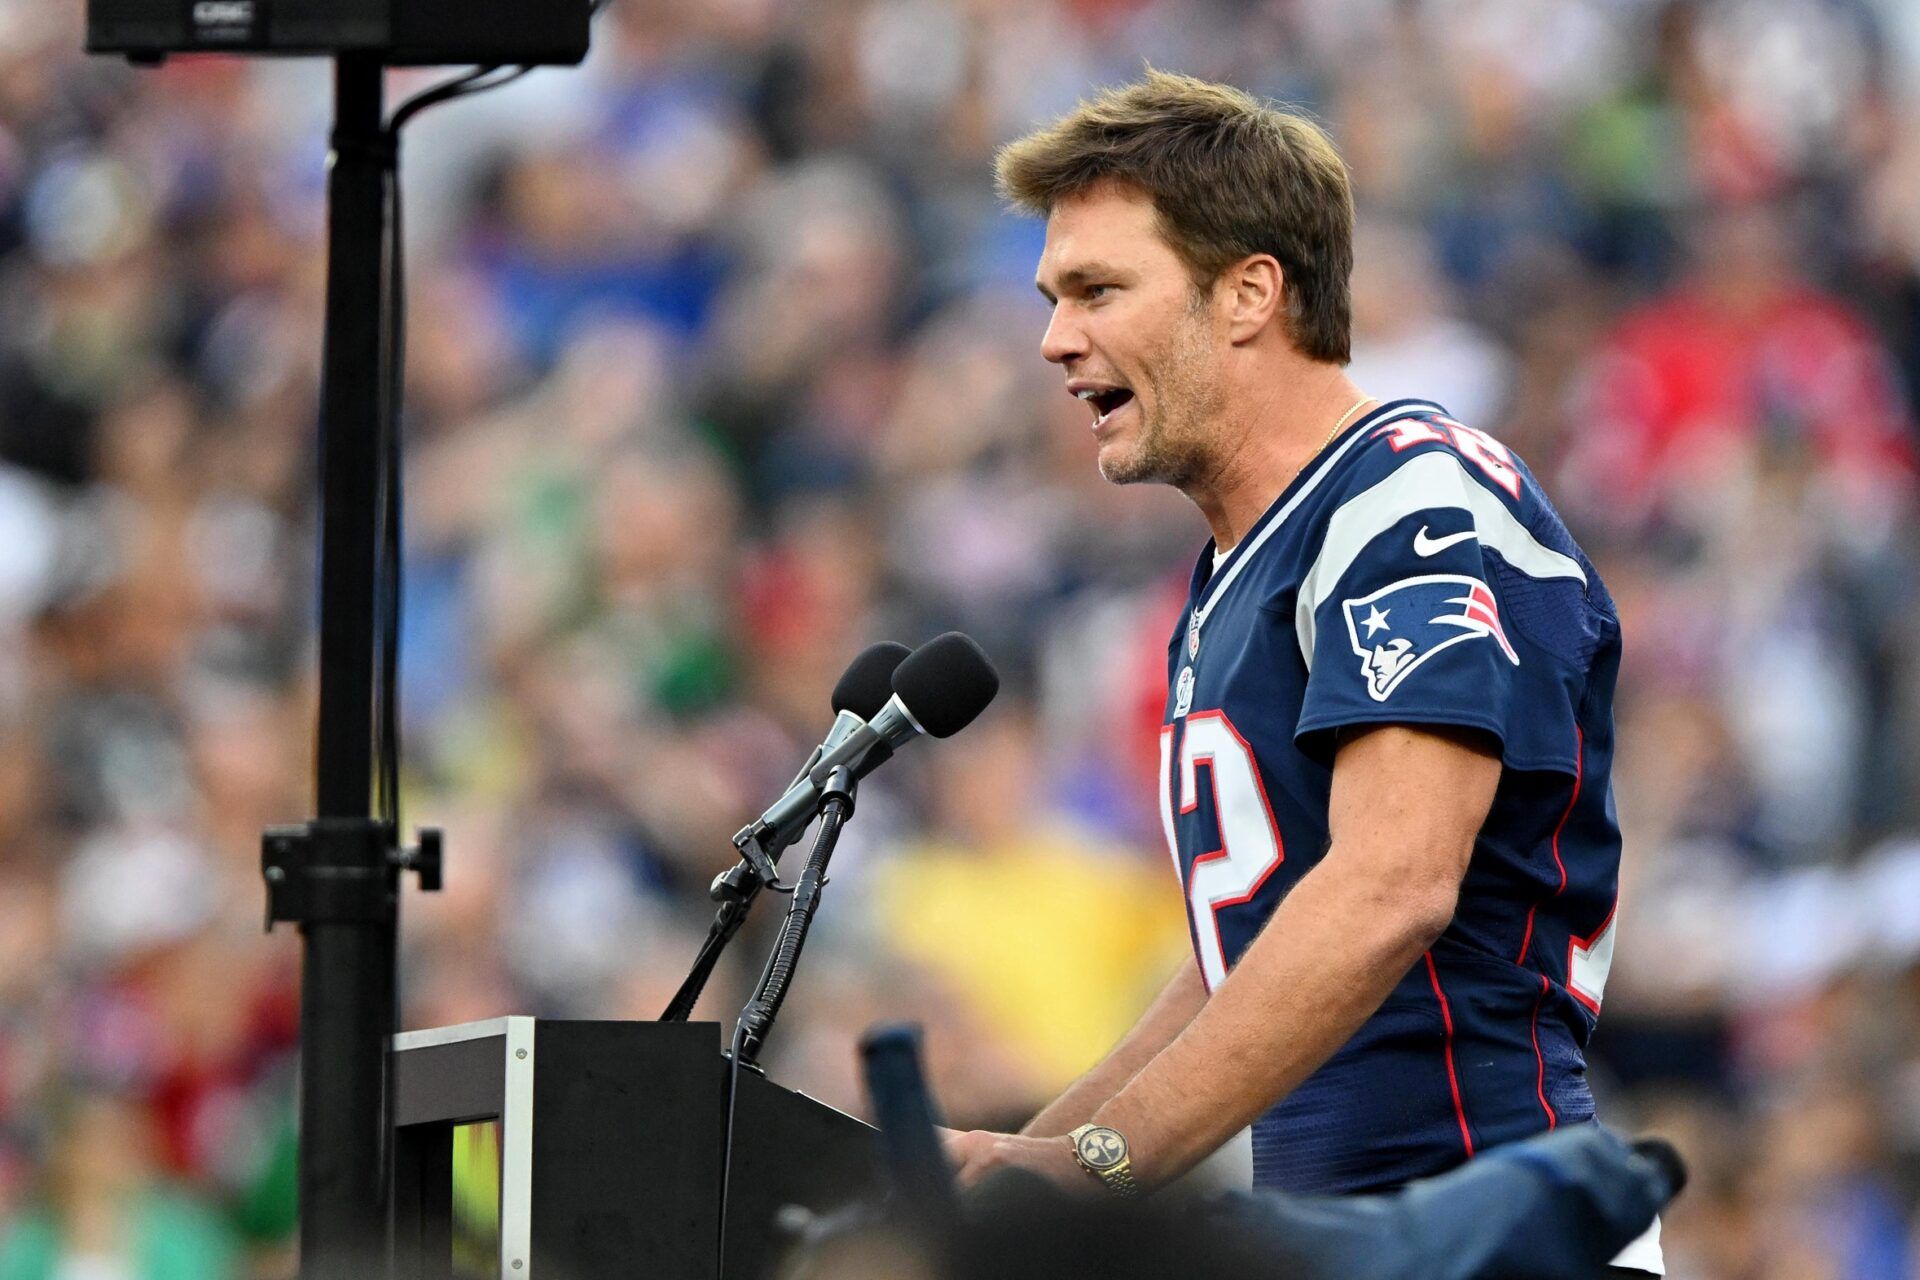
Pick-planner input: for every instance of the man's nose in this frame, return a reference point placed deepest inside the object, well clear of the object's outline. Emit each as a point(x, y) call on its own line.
point(1063, 340)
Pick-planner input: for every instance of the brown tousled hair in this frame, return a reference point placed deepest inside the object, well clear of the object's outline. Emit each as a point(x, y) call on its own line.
point(1228, 176)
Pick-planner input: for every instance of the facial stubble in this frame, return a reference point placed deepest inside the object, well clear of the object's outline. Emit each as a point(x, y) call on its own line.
point(1172, 444)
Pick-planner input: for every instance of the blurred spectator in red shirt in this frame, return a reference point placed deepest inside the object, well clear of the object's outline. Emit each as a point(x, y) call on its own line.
point(1745, 355)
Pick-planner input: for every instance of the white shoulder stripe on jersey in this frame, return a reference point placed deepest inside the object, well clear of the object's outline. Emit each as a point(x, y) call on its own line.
point(1434, 479)
point(1355, 434)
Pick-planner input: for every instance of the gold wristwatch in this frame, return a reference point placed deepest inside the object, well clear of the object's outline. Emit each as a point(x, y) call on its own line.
point(1102, 1152)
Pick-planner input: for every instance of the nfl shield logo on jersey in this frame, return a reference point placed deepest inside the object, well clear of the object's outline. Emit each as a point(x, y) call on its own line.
point(1399, 627)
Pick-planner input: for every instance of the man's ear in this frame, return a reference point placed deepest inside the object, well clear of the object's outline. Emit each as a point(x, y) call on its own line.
point(1256, 291)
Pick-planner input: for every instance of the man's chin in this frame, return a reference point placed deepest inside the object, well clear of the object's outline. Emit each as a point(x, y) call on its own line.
point(1120, 464)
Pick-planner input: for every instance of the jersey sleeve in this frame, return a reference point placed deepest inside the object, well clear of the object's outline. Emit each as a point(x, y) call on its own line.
point(1407, 614)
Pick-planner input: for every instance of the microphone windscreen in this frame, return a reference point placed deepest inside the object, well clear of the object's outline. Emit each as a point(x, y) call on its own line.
point(945, 683)
point(867, 682)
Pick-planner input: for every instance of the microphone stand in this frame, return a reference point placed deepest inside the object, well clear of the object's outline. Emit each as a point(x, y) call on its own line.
point(735, 890)
point(756, 1019)
point(759, 843)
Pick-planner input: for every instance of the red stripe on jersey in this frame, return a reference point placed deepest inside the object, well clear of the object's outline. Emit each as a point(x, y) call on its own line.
point(1579, 765)
point(1453, 1077)
point(1540, 1062)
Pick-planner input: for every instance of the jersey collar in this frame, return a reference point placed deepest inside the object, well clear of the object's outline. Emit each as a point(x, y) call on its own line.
point(1209, 584)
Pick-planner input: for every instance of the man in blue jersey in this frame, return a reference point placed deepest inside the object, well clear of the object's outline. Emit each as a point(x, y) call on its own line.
point(1389, 729)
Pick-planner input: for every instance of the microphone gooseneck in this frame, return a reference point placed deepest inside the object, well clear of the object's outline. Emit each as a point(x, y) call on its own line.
point(937, 690)
point(885, 698)
point(760, 1012)
point(862, 690)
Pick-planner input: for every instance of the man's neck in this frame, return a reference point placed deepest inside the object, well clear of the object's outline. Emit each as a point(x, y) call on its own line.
point(1285, 422)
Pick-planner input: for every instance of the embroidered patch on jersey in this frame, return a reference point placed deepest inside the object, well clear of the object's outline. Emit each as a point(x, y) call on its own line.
point(1183, 693)
point(1193, 634)
point(1399, 627)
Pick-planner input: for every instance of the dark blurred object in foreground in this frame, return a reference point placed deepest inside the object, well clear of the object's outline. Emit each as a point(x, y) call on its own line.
point(410, 33)
point(1557, 1207)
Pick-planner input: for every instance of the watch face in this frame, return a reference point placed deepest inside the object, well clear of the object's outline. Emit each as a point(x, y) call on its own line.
point(1102, 1148)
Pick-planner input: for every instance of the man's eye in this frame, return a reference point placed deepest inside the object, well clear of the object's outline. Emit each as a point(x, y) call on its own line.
point(1095, 290)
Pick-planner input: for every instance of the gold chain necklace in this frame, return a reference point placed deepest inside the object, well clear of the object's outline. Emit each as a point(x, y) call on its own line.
point(1357, 405)
point(1337, 427)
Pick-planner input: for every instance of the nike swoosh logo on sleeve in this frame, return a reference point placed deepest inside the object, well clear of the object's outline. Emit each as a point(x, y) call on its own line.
point(1425, 546)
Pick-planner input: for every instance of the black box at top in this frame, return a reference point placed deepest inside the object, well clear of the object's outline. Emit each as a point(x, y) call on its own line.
point(403, 32)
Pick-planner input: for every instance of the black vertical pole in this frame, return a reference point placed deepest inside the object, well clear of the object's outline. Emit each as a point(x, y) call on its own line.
point(347, 982)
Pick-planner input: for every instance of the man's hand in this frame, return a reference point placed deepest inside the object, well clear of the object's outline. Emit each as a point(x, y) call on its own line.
point(977, 1154)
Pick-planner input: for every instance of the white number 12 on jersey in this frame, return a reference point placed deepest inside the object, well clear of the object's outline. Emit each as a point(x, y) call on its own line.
point(1250, 844)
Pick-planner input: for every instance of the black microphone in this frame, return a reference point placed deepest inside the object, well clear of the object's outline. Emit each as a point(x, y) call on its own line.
point(937, 691)
point(860, 695)
point(946, 683)
point(867, 682)
point(862, 692)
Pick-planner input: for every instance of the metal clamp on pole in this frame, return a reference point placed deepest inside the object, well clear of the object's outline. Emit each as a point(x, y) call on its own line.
point(735, 889)
point(427, 860)
point(342, 871)
point(755, 854)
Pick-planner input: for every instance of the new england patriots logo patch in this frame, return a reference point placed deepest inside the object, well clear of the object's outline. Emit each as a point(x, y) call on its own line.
point(1399, 627)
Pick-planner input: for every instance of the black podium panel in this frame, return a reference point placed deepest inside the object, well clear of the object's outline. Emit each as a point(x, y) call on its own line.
point(789, 1149)
point(608, 1138)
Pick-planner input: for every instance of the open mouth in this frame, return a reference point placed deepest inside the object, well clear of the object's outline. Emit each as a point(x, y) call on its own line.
point(1106, 403)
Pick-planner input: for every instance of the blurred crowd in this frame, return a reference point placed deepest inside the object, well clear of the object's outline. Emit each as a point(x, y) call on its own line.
point(724, 363)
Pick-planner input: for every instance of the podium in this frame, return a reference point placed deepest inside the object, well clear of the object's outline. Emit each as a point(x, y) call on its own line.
point(536, 1149)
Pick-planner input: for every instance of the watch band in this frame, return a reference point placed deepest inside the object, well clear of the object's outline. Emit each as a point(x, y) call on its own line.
point(1116, 1176)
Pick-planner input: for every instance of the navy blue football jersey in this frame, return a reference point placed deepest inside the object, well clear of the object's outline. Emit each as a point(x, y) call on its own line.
point(1413, 573)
